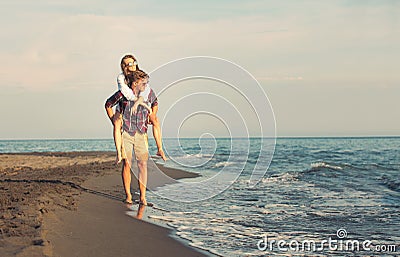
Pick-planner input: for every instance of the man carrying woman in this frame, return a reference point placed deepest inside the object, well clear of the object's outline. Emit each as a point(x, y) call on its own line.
point(129, 64)
point(134, 125)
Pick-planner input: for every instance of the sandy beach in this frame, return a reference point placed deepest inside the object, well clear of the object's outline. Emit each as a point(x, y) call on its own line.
point(70, 204)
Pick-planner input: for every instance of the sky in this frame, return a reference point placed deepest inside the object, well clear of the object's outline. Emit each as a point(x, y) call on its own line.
point(328, 68)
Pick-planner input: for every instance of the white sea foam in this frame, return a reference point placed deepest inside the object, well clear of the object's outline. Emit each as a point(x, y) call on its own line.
point(162, 218)
point(234, 207)
point(223, 164)
point(280, 178)
point(193, 156)
point(325, 165)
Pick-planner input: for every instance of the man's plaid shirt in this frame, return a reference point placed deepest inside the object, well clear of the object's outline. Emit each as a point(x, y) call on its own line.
point(133, 122)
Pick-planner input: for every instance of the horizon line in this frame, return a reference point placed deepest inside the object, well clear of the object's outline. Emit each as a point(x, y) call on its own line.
point(252, 137)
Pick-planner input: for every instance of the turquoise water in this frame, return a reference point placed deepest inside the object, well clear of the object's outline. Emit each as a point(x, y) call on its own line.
point(56, 145)
point(314, 188)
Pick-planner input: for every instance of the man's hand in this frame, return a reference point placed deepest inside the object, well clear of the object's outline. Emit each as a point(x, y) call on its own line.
point(152, 116)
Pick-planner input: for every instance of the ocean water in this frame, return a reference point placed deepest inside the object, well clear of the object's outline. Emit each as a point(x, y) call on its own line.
point(56, 145)
point(341, 191)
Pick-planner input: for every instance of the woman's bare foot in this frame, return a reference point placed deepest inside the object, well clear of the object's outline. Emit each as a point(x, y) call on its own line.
point(162, 154)
point(118, 159)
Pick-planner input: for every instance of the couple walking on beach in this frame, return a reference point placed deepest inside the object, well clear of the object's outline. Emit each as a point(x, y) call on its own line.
point(137, 106)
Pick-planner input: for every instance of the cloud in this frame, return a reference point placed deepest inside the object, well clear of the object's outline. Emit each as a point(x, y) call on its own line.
point(82, 48)
point(69, 51)
point(280, 78)
point(49, 47)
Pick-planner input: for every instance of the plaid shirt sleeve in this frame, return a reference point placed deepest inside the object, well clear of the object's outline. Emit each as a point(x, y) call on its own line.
point(114, 99)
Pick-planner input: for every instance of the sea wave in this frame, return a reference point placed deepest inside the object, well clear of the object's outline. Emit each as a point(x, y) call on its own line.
point(391, 183)
point(223, 164)
point(381, 167)
point(353, 167)
point(318, 165)
point(198, 155)
point(285, 177)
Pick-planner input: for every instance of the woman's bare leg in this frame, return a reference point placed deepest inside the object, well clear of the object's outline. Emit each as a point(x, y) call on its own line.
point(157, 136)
point(118, 136)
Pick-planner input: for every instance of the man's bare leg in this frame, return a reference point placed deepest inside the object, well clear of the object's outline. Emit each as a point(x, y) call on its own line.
point(142, 180)
point(126, 180)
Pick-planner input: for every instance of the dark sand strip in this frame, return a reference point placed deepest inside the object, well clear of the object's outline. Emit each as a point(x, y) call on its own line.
point(46, 209)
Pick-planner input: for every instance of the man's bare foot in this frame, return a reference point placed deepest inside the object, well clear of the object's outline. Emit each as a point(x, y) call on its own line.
point(128, 205)
point(162, 154)
point(128, 199)
point(140, 211)
point(143, 201)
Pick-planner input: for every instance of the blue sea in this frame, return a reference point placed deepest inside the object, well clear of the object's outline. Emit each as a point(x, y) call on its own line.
point(319, 196)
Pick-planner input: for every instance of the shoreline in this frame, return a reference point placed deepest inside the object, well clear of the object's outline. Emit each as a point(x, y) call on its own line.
point(66, 203)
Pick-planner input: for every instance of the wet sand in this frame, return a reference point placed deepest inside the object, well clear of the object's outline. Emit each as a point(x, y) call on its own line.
point(70, 204)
